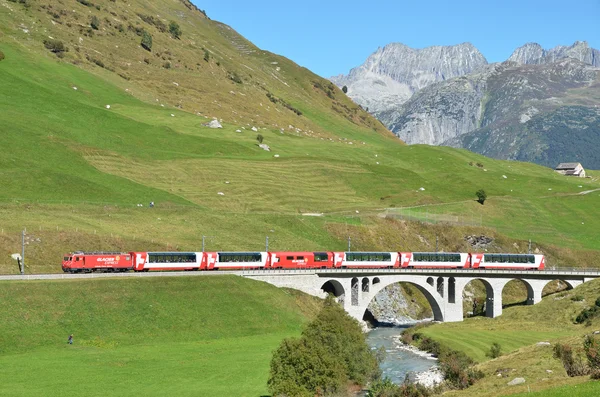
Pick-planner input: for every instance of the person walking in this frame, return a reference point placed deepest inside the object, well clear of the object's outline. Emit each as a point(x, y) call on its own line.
point(70, 341)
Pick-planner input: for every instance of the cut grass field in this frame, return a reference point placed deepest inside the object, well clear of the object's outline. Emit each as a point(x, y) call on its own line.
point(157, 336)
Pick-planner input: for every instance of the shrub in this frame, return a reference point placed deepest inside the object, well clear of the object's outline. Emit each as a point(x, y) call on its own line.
point(481, 196)
point(233, 76)
point(591, 346)
point(345, 89)
point(174, 29)
point(26, 3)
point(55, 46)
point(330, 354)
point(259, 138)
point(167, 65)
point(495, 350)
point(577, 298)
point(95, 22)
point(146, 41)
point(457, 372)
point(206, 55)
point(2, 55)
point(573, 363)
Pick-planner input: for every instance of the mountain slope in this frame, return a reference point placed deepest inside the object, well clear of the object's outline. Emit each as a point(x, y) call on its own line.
point(392, 74)
point(210, 70)
point(486, 108)
point(543, 113)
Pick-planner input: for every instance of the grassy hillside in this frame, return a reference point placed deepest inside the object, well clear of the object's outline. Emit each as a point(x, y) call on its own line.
point(184, 336)
point(518, 330)
point(83, 147)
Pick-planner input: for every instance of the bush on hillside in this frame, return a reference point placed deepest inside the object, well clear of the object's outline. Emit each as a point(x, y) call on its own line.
point(2, 55)
point(175, 30)
point(386, 388)
point(330, 354)
point(56, 46)
point(146, 41)
point(26, 3)
point(591, 346)
point(233, 76)
point(206, 55)
point(260, 138)
point(481, 196)
point(95, 22)
point(345, 89)
point(495, 350)
point(572, 362)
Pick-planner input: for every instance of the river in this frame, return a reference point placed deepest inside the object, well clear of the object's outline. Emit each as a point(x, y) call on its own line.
point(398, 361)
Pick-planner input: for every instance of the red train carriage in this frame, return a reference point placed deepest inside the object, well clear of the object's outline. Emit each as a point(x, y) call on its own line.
point(509, 261)
point(435, 260)
point(157, 261)
point(367, 260)
point(301, 260)
point(236, 260)
point(86, 262)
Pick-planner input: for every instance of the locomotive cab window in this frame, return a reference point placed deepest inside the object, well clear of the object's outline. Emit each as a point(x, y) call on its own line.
point(321, 257)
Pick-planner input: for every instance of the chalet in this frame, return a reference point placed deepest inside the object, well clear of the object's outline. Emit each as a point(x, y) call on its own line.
point(571, 169)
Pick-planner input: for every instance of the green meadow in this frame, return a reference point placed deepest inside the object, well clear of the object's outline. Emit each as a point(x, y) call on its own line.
point(158, 336)
point(518, 331)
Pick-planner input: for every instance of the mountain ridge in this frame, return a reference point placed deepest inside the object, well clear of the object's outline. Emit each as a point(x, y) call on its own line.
point(442, 111)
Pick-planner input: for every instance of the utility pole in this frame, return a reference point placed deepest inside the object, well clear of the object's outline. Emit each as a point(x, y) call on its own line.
point(349, 243)
point(267, 244)
point(22, 263)
point(436, 243)
point(203, 237)
point(529, 251)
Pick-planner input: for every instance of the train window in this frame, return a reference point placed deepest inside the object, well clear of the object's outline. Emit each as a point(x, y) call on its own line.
point(289, 258)
point(321, 257)
point(77, 259)
point(239, 257)
point(530, 258)
point(300, 258)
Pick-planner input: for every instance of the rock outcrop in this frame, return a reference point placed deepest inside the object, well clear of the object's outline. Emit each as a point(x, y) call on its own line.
point(393, 73)
point(533, 53)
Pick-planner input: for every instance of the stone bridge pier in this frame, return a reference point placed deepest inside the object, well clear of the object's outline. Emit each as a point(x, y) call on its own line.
point(443, 290)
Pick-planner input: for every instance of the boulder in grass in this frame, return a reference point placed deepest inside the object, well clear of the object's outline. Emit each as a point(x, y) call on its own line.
point(213, 124)
point(516, 381)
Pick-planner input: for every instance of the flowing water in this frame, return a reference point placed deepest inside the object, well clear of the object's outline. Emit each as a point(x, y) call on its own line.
point(398, 362)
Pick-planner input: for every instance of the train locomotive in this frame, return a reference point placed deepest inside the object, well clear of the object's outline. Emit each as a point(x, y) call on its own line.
point(87, 262)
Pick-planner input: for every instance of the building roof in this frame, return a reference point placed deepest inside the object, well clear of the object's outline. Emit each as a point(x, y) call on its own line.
point(567, 166)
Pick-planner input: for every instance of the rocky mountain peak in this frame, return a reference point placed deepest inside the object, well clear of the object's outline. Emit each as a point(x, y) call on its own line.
point(394, 72)
point(533, 53)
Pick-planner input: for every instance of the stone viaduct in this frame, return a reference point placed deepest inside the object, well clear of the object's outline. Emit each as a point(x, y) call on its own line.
point(355, 288)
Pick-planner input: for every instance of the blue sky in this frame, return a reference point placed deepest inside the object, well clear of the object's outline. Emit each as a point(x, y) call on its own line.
point(330, 37)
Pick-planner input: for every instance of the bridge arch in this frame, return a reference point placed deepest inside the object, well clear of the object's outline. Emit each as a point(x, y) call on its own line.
point(335, 288)
point(429, 291)
point(490, 297)
point(562, 285)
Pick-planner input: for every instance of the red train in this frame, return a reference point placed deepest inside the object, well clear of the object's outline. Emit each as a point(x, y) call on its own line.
point(79, 262)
